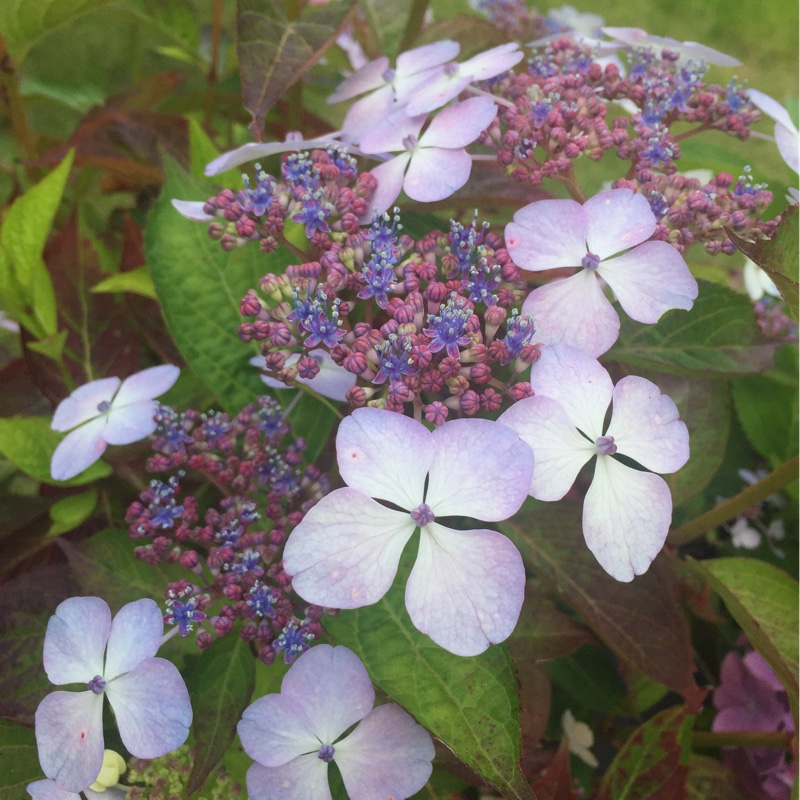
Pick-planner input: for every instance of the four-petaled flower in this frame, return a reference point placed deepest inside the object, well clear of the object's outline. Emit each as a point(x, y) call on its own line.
point(106, 411)
point(647, 280)
point(294, 735)
point(434, 165)
point(465, 590)
point(627, 512)
point(147, 694)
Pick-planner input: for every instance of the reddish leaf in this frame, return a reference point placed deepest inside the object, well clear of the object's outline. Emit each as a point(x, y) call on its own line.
point(653, 764)
point(556, 782)
point(641, 621)
point(275, 51)
point(535, 701)
point(100, 334)
point(126, 137)
point(20, 394)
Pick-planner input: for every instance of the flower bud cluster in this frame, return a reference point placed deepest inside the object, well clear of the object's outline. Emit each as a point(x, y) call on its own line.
point(167, 777)
point(690, 210)
point(321, 190)
point(567, 104)
point(429, 326)
point(231, 549)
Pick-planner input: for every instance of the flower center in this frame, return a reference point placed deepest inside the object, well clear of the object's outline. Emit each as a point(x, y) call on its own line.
point(605, 445)
point(97, 684)
point(326, 753)
point(423, 515)
point(104, 406)
point(590, 261)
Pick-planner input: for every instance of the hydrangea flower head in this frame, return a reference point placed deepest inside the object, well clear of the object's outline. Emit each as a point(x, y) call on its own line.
point(627, 512)
point(147, 694)
point(648, 278)
point(432, 166)
point(465, 590)
point(294, 735)
point(103, 412)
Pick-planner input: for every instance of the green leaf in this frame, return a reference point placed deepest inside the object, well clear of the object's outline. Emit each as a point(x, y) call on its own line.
point(275, 51)
point(709, 779)
point(543, 632)
point(778, 256)
point(641, 621)
point(200, 286)
point(106, 565)
point(718, 337)
point(25, 285)
point(80, 97)
point(764, 601)
point(25, 22)
point(29, 443)
point(71, 511)
point(220, 686)
point(19, 760)
point(387, 21)
point(767, 407)
point(469, 703)
point(705, 407)
point(653, 764)
point(137, 281)
point(202, 151)
point(588, 677)
point(51, 346)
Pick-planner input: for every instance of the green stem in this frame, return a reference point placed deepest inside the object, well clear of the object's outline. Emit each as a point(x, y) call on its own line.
point(211, 91)
point(568, 180)
point(706, 739)
point(751, 496)
point(416, 17)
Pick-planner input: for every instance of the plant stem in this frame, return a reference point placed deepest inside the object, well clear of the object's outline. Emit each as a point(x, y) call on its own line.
point(9, 92)
point(777, 739)
point(751, 496)
point(414, 25)
point(211, 91)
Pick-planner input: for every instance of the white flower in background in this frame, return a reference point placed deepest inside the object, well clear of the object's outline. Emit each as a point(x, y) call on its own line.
point(757, 282)
point(744, 535)
point(579, 738)
point(103, 412)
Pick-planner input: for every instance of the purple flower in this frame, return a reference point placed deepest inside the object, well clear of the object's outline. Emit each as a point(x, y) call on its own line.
point(751, 698)
point(294, 735)
point(465, 590)
point(147, 694)
point(647, 279)
point(106, 411)
point(627, 512)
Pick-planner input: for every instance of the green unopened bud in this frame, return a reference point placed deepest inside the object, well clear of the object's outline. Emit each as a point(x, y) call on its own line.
point(113, 767)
